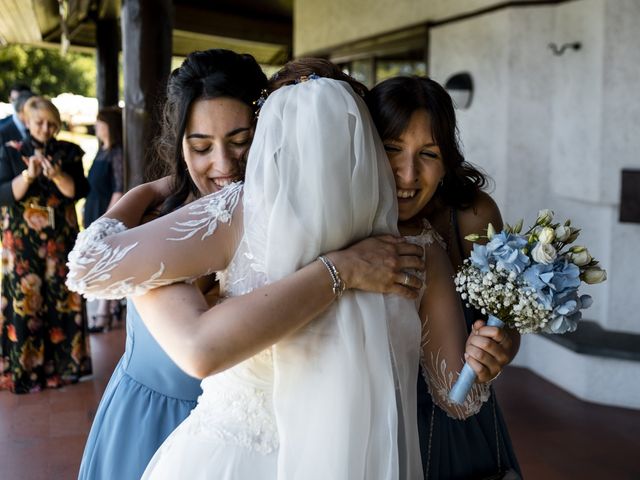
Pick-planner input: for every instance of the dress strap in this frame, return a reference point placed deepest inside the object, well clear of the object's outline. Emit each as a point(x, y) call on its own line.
point(456, 231)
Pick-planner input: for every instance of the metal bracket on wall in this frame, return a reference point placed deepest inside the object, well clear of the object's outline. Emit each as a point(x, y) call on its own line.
point(561, 49)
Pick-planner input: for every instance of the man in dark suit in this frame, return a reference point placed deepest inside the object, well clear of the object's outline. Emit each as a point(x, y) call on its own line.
point(16, 89)
point(14, 128)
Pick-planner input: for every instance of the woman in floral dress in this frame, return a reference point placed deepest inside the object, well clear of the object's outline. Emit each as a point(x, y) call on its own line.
point(42, 336)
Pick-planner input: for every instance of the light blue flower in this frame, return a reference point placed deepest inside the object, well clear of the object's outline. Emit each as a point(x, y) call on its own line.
point(566, 276)
point(540, 278)
point(550, 281)
point(566, 314)
point(479, 257)
point(505, 249)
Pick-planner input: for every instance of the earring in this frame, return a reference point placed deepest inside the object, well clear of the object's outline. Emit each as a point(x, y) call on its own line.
point(441, 182)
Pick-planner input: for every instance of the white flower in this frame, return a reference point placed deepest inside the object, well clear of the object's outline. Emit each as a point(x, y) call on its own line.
point(562, 233)
point(544, 253)
point(594, 275)
point(544, 217)
point(579, 256)
point(547, 235)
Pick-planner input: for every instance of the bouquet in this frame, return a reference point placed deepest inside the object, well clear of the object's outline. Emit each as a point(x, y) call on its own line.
point(527, 281)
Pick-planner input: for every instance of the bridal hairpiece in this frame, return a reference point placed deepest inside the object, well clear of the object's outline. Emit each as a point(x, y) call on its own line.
point(305, 78)
point(264, 93)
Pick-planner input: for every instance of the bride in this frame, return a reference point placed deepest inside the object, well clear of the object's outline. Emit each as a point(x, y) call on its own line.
point(334, 397)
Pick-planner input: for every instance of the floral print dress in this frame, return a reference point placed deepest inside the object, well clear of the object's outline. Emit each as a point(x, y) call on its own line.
point(43, 340)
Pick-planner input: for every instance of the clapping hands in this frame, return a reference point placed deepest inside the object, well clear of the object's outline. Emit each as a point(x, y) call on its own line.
point(49, 169)
point(38, 164)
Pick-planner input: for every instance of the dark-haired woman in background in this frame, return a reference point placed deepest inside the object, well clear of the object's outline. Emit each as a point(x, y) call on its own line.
point(416, 120)
point(106, 178)
point(148, 395)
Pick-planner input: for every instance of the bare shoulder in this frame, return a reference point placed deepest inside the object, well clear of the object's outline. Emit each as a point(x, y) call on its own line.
point(476, 218)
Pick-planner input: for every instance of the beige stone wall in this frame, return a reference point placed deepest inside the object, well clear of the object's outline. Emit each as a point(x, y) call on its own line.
point(320, 25)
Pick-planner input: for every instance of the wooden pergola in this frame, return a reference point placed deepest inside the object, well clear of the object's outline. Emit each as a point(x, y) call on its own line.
point(148, 33)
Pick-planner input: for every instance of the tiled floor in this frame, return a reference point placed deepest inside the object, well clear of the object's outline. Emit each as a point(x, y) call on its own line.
point(42, 435)
point(556, 436)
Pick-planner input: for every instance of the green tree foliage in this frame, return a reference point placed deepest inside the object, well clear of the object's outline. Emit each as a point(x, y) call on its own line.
point(46, 71)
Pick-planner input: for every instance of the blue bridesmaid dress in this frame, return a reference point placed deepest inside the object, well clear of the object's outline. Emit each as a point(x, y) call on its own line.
point(147, 397)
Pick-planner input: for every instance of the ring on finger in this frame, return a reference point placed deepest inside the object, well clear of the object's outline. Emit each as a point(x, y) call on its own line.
point(406, 279)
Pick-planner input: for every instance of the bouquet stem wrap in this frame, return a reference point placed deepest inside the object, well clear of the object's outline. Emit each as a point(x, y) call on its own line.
point(467, 377)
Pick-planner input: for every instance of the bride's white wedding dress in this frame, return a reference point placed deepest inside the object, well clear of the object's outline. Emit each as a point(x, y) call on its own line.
point(232, 432)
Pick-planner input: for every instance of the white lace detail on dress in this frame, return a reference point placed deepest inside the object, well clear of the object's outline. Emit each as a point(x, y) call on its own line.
point(438, 377)
point(238, 413)
point(95, 268)
point(208, 211)
point(92, 259)
point(236, 406)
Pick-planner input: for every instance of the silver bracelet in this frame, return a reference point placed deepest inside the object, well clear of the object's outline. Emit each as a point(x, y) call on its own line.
point(338, 286)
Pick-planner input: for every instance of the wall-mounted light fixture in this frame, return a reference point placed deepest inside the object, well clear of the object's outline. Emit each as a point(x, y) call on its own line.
point(460, 87)
point(561, 49)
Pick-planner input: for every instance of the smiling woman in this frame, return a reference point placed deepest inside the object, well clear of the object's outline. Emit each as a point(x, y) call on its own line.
point(216, 142)
point(417, 122)
point(417, 163)
point(42, 326)
point(207, 129)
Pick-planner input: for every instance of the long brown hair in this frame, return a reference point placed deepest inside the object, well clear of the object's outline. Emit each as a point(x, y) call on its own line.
point(209, 74)
point(393, 102)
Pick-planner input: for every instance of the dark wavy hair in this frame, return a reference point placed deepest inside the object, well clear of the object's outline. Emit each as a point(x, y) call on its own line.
point(304, 67)
point(393, 102)
point(209, 74)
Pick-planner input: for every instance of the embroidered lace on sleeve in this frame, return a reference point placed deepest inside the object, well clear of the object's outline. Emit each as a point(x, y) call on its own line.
point(441, 352)
point(439, 378)
point(208, 211)
point(111, 261)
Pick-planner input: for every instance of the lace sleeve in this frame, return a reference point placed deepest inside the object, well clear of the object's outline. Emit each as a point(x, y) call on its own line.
point(110, 261)
point(444, 335)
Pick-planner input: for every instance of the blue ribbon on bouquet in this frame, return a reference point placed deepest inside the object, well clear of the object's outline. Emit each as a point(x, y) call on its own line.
point(467, 377)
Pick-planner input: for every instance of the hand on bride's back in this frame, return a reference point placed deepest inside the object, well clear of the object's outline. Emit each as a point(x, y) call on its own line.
point(382, 264)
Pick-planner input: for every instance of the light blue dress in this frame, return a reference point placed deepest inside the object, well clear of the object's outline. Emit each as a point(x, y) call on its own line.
point(147, 397)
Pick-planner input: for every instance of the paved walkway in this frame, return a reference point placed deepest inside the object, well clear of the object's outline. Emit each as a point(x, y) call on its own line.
point(556, 436)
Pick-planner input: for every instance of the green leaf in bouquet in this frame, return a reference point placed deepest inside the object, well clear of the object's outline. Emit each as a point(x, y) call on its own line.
point(518, 226)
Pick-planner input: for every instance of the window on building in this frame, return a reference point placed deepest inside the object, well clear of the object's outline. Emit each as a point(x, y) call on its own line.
point(373, 60)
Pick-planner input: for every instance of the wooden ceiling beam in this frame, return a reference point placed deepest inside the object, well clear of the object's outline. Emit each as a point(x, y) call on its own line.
point(232, 26)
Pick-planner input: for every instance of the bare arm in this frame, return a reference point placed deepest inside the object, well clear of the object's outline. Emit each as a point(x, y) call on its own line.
point(444, 336)
point(204, 341)
point(115, 196)
point(138, 201)
point(489, 349)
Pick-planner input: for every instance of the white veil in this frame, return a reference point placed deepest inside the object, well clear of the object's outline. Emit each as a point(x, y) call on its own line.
point(344, 394)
